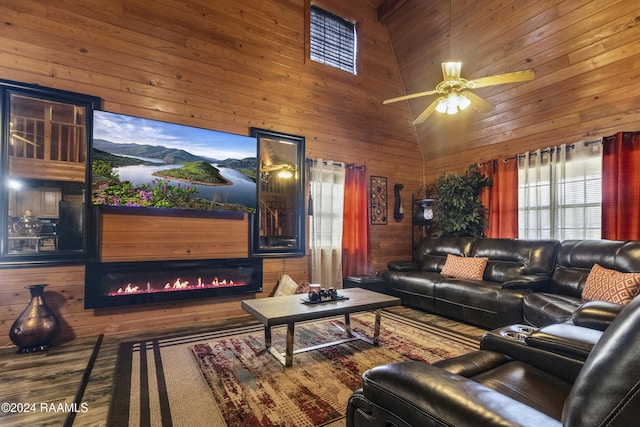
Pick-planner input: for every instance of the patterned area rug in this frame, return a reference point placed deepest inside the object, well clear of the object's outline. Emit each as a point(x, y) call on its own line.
point(234, 381)
point(253, 389)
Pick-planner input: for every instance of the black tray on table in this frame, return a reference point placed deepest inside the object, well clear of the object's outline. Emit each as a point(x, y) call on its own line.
point(337, 298)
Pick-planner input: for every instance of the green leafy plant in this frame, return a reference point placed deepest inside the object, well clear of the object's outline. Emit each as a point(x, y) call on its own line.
point(103, 169)
point(158, 194)
point(459, 211)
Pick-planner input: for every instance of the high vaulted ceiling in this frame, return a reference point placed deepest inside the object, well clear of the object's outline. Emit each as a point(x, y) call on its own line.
point(586, 56)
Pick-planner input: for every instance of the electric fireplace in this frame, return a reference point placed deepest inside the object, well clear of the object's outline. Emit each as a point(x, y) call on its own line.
point(125, 283)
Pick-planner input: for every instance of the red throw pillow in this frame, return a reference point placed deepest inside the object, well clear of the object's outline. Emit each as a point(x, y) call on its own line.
point(464, 267)
point(604, 284)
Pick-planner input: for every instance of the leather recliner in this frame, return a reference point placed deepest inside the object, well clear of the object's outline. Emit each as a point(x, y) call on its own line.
point(491, 388)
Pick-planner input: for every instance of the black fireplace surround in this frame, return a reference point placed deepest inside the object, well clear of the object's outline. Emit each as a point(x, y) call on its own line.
point(117, 284)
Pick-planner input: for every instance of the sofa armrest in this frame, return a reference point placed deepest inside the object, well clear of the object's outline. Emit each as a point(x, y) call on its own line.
point(424, 395)
point(403, 266)
point(566, 339)
point(596, 314)
point(474, 363)
point(534, 282)
point(556, 363)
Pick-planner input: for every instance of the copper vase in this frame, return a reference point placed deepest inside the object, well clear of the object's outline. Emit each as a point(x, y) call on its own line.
point(36, 326)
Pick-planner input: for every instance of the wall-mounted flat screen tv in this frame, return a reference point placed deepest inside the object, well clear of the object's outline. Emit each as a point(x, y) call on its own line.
point(149, 163)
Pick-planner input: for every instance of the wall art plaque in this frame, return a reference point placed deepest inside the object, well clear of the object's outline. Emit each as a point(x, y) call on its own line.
point(378, 202)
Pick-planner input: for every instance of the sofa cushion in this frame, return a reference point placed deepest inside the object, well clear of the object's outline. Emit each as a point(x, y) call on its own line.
point(576, 258)
point(608, 285)
point(433, 252)
point(568, 281)
point(415, 288)
point(464, 267)
point(510, 258)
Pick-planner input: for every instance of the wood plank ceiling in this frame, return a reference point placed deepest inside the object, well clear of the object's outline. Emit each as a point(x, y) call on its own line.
point(586, 55)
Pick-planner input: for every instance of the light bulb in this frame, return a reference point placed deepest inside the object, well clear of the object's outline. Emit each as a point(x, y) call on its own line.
point(452, 103)
point(463, 102)
point(442, 106)
point(285, 174)
point(14, 184)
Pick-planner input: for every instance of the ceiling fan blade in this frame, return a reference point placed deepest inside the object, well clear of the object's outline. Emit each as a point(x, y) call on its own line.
point(478, 103)
point(413, 95)
point(427, 112)
point(516, 76)
point(451, 71)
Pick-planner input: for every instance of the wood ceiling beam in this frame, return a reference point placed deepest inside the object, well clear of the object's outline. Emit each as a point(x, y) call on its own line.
point(388, 8)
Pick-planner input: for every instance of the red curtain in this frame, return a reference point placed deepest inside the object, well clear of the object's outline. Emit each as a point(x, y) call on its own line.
point(621, 186)
point(501, 199)
point(355, 229)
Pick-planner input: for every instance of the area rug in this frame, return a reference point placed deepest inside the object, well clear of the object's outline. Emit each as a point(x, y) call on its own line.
point(227, 378)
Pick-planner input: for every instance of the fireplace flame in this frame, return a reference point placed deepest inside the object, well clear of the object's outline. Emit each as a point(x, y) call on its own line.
point(129, 289)
point(178, 284)
point(174, 285)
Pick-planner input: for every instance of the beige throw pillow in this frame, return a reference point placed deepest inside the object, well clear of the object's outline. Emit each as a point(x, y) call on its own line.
point(286, 286)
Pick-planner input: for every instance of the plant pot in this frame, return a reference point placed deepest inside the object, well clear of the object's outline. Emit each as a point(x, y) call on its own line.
point(36, 326)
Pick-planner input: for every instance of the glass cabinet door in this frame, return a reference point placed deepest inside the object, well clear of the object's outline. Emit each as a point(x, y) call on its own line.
point(45, 173)
point(278, 228)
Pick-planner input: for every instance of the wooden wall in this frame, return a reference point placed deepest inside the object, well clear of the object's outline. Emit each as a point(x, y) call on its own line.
point(129, 236)
point(226, 65)
point(229, 65)
point(585, 53)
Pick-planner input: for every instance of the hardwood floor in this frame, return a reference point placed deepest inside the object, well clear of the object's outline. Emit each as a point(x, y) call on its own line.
point(40, 384)
point(34, 388)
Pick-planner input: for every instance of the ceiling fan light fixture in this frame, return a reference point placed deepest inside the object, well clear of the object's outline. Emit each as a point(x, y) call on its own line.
point(285, 174)
point(452, 103)
point(451, 70)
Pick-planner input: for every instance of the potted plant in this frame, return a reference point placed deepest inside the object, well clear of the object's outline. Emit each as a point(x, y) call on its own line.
point(459, 211)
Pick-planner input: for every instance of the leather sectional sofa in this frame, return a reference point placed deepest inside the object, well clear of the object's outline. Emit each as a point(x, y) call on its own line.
point(535, 282)
point(512, 383)
point(573, 262)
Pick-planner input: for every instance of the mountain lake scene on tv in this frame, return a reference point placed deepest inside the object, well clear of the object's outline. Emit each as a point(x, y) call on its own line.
point(148, 163)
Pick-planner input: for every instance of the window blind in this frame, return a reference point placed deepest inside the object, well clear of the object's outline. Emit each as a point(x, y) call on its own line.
point(333, 40)
point(560, 192)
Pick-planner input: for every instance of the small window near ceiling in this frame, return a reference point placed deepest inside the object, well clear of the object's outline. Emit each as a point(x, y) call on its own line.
point(333, 40)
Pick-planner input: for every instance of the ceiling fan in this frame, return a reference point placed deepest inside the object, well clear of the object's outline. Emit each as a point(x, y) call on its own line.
point(455, 92)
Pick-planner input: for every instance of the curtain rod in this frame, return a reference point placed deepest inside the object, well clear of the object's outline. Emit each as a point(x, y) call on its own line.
point(548, 150)
point(340, 164)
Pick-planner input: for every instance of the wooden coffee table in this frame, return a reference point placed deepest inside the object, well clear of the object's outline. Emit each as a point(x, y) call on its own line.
point(287, 310)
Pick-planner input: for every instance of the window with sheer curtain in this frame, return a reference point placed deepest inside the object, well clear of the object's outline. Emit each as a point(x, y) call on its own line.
point(327, 180)
point(559, 192)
